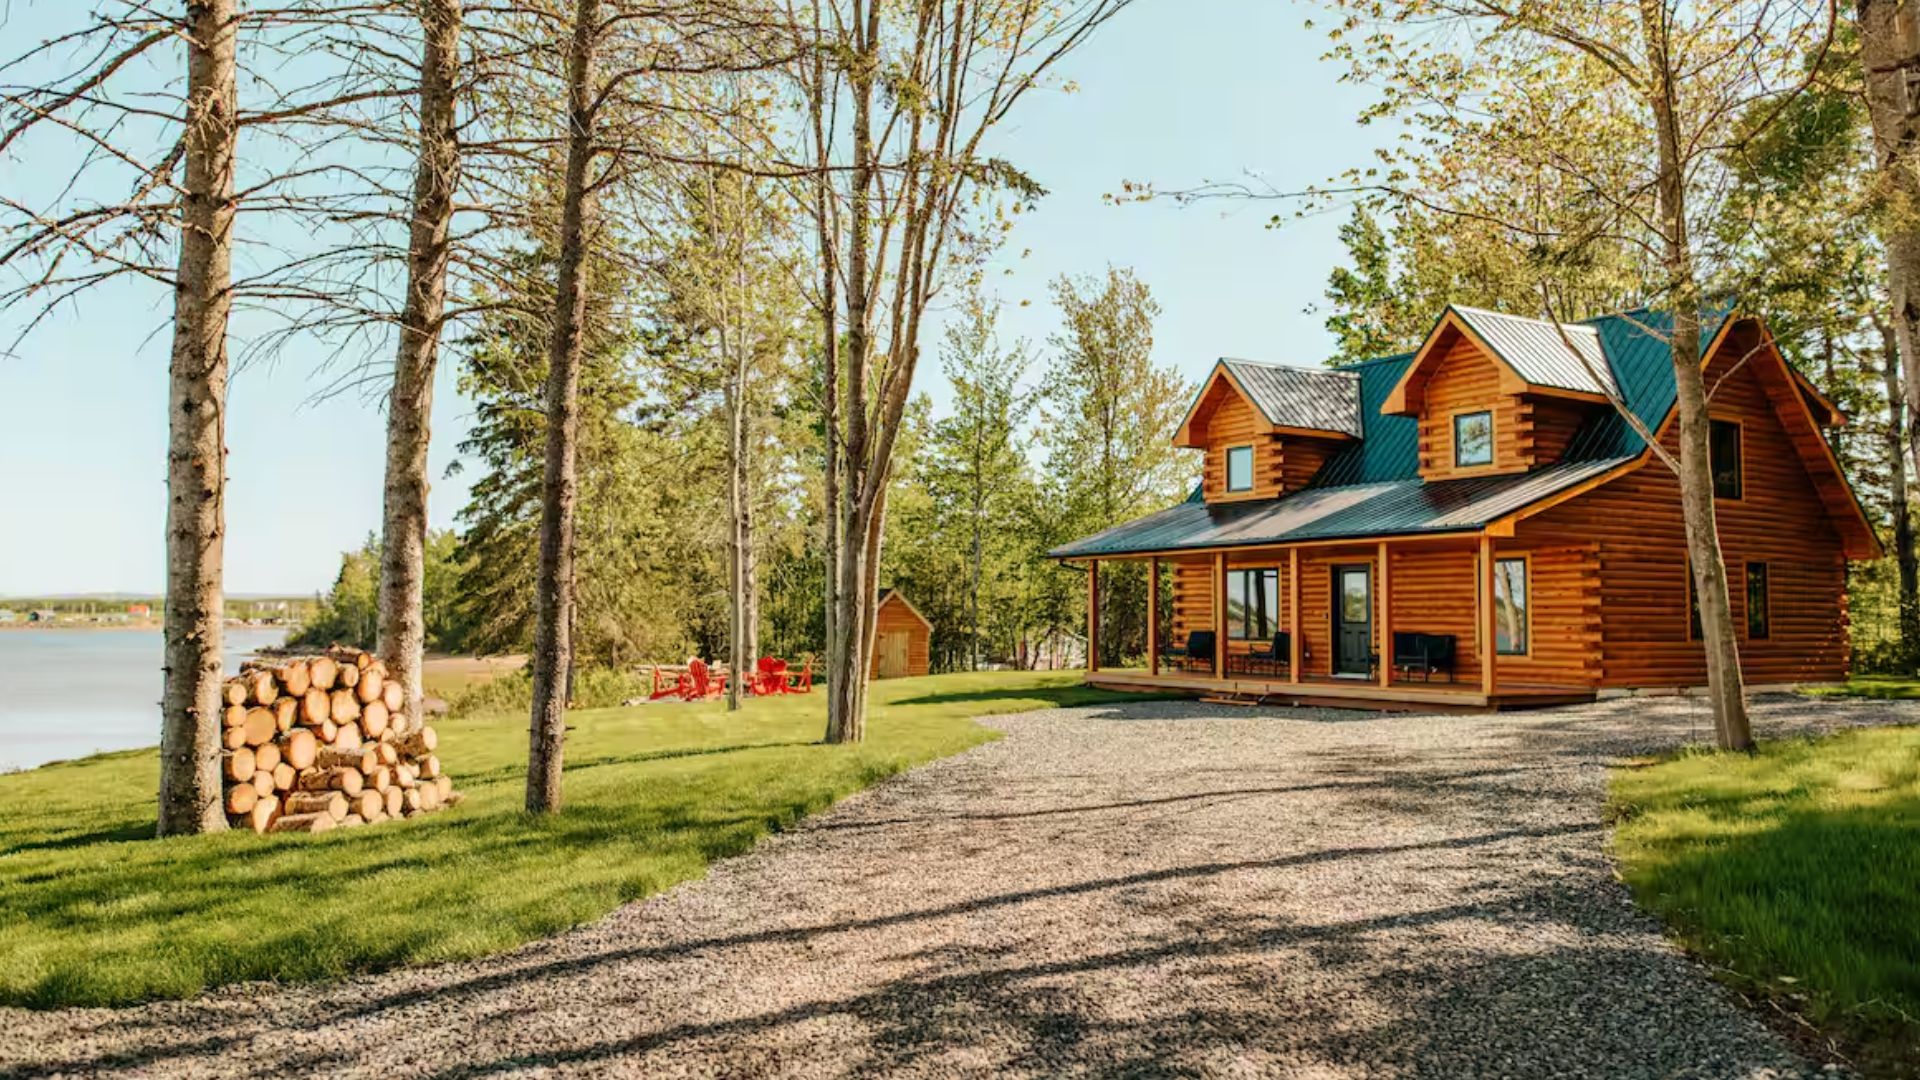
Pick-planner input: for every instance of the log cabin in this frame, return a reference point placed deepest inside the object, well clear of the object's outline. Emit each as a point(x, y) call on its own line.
point(1478, 523)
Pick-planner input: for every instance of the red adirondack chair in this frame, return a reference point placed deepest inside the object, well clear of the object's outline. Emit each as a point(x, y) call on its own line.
point(770, 676)
point(662, 688)
point(800, 682)
point(699, 682)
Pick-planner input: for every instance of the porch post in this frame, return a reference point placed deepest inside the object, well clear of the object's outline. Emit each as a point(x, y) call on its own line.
point(1153, 615)
point(1219, 614)
point(1485, 572)
point(1386, 620)
point(1293, 615)
point(1093, 615)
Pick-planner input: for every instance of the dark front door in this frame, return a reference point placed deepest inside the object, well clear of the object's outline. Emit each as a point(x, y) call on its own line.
point(1352, 620)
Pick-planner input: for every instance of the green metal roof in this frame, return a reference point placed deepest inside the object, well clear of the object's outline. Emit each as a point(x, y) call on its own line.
point(1351, 511)
point(1372, 486)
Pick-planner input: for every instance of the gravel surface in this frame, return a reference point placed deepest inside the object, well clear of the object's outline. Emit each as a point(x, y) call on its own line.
point(1149, 889)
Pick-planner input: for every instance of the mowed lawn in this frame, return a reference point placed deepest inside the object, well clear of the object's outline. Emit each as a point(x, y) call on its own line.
point(94, 911)
point(1796, 874)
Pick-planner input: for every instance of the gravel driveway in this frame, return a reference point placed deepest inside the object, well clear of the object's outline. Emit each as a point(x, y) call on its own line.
point(1151, 889)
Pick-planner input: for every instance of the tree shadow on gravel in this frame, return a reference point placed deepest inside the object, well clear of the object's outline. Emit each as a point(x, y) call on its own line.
point(528, 969)
point(1559, 988)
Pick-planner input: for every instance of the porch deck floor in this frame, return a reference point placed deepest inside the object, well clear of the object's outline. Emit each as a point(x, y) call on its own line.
point(1401, 694)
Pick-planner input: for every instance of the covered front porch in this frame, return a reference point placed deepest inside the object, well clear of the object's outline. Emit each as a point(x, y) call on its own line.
point(1394, 623)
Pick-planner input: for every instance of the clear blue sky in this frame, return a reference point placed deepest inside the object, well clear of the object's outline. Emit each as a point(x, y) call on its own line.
point(1170, 92)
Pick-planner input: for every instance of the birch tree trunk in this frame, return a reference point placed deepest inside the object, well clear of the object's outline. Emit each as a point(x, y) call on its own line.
point(402, 637)
point(1724, 685)
point(190, 795)
point(847, 664)
point(1890, 59)
point(738, 653)
point(553, 619)
point(1905, 557)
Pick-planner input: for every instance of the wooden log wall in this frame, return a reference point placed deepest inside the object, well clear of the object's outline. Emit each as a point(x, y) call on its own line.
point(1780, 520)
point(1434, 592)
point(316, 742)
point(1463, 380)
point(1280, 463)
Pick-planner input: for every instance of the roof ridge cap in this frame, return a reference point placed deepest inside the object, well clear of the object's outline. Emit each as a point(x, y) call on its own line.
point(1278, 365)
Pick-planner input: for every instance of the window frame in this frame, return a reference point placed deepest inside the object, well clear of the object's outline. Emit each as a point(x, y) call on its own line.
point(1716, 423)
point(1766, 599)
point(1245, 576)
point(1469, 415)
point(1226, 470)
point(1525, 559)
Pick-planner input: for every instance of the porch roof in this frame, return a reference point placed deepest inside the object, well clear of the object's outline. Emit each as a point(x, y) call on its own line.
point(1347, 512)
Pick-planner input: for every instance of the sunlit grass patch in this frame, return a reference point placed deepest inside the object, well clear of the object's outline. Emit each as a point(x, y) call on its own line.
point(93, 911)
point(1795, 872)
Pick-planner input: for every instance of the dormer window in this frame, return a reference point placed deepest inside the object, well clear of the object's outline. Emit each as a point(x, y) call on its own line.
point(1239, 468)
point(1472, 439)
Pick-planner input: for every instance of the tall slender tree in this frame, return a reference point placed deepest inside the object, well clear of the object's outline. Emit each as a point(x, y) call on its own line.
point(902, 99)
point(190, 796)
point(410, 400)
point(553, 585)
point(976, 459)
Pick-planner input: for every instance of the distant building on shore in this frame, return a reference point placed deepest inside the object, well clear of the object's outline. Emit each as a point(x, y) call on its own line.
point(43, 615)
point(7, 615)
point(140, 611)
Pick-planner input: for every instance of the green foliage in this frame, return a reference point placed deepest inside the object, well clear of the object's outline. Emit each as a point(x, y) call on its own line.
point(1108, 416)
point(1795, 872)
point(958, 544)
point(637, 563)
point(350, 613)
point(593, 688)
point(95, 912)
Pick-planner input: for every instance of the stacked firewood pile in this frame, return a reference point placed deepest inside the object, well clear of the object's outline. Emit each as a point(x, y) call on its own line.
point(315, 742)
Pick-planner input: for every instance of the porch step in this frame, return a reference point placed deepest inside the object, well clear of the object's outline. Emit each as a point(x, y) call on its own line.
point(1243, 700)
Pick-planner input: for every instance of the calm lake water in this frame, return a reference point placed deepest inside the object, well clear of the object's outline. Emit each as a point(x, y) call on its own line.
point(68, 693)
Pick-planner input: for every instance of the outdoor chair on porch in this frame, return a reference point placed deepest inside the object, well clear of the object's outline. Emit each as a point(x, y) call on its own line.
point(1424, 653)
point(1272, 660)
point(1198, 655)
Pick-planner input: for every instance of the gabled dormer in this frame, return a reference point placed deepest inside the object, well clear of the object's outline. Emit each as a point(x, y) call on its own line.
point(1267, 428)
point(1496, 393)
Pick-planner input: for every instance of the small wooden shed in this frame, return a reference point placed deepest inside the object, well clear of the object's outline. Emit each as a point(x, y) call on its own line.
point(900, 637)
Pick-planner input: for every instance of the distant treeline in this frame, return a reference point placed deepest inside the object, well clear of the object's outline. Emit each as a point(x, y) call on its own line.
point(288, 608)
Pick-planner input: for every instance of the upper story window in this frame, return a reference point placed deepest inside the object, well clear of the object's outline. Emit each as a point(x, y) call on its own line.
point(1239, 468)
point(1473, 439)
point(1723, 451)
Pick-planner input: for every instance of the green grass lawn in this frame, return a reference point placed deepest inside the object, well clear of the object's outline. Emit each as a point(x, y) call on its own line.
point(94, 911)
point(1796, 874)
point(1881, 687)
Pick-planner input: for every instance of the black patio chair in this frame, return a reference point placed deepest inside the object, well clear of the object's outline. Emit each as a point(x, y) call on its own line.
point(1275, 659)
point(1198, 655)
point(1424, 653)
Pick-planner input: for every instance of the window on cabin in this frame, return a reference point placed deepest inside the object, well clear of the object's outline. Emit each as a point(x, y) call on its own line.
point(1510, 607)
point(1759, 613)
point(1253, 604)
point(1723, 452)
point(1473, 439)
point(1239, 468)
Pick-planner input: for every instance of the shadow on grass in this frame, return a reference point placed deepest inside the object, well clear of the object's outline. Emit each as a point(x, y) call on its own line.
point(115, 834)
